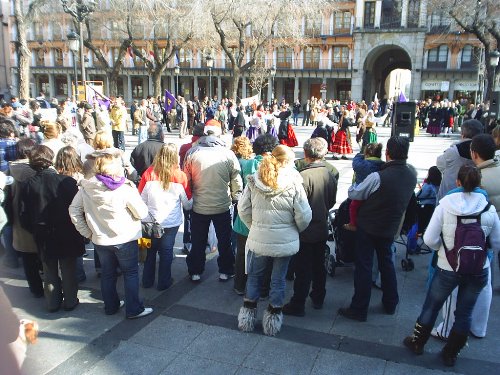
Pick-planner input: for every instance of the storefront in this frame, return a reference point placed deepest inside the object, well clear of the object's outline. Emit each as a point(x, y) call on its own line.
point(436, 90)
point(465, 90)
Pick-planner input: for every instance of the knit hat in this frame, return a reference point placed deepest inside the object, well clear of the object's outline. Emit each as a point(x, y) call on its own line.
point(212, 127)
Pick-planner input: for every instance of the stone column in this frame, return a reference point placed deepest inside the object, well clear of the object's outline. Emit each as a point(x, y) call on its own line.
point(128, 87)
point(416, 84)
point(52, 91)
point(404, 14)
point(195, 86)
point(378, 13)
point(422, 17)
point(219, 87)
point(358, 22)
point(150, 86)
point(357, 85)
point(172, 85)
point(69, 83)
point(106, 88)
point(243, 87)
point(270, 90)
point(296, 92)
point(323, 94)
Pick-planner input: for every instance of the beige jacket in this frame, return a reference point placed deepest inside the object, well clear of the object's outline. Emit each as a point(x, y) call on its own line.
point(108, 217)
point(490, 181)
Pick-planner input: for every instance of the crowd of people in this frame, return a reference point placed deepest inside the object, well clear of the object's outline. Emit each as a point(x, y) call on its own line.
point(72, 184)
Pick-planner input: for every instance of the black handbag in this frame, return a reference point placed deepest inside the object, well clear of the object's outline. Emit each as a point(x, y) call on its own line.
point(151, 228)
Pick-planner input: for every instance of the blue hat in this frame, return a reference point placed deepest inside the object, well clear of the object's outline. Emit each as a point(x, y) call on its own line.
point(16, 105)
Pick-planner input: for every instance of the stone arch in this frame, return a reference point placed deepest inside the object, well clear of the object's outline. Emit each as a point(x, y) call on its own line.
point(379, 62)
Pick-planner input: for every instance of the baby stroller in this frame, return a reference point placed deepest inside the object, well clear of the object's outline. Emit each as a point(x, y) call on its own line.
point(416, 219)
point(343, 240)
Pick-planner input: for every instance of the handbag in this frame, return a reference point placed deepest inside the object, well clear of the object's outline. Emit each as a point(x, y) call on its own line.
point(151, 228)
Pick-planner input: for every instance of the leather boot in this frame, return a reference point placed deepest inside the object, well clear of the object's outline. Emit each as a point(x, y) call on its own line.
point(456, 341)
point(417, 341)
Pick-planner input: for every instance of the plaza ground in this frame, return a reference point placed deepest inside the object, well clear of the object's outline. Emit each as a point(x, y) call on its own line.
point(193, 329)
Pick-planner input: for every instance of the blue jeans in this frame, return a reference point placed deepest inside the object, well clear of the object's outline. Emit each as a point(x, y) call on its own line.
point(164, 246)
point(365, 246)
point(295, 119)
point(142, 134)
point(119, 139)
point(126, 256)
point(199, 229)
point(442, 284)
point(256, 269)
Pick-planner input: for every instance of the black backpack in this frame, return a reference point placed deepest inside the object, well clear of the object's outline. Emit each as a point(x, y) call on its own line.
point(469, 252)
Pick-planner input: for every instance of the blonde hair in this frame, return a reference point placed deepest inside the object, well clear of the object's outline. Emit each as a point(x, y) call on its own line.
point(68, 162)
point(242, 147)
point(164, 163)
point(496, 136)
point(270, 165)
point(103, 140)
point(108, 165)
point(51, 129)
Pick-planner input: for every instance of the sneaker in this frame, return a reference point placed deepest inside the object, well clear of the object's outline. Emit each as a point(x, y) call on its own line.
point(195, 278)
point(122, 303)
point(225, 277)
point(145, 312)
point(435, 333)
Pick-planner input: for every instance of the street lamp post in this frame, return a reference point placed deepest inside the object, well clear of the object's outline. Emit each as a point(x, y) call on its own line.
point(74, 46)
point(210, 65)
point(495, 95)
point(273, 74)
point(177, 70)
point(80, 11)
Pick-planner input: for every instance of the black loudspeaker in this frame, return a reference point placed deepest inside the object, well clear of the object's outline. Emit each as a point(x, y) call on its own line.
point(403, 119)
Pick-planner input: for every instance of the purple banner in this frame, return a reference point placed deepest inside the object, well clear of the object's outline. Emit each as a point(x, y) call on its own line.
point(169, 101)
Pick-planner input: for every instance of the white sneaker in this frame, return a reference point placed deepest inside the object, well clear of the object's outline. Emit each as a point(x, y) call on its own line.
point(122, 303)
point(225, 277)
point(145, 312)
point(195, 278)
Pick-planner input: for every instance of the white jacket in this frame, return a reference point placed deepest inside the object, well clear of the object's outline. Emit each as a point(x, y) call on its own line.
point(108, 217)
point(444, 220)
point(275, 217)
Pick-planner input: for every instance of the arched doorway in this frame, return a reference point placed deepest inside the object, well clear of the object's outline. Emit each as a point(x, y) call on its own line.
point(378, 66)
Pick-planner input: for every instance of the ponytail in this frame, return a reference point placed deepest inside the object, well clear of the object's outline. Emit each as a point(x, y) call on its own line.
point(270, 165)
point(469, 177)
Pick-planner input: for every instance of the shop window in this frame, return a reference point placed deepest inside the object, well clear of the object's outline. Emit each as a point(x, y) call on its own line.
point(369, 16)
point(340, 57)
point(284, 58)
point(438, 57)
point(61, 83)
point(311, 57)
point(137, 92)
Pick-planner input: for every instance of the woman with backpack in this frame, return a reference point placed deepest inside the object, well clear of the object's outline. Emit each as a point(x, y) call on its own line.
point(462, 221)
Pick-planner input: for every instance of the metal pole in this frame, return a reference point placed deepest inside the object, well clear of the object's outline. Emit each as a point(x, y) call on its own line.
point(176, 85)
point(210, 76)
point(82, 48)
point(272, 91)
point(75, 72)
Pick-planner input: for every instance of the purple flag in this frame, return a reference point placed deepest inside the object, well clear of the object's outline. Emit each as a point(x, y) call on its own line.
point(169, 101)
point(402, 97)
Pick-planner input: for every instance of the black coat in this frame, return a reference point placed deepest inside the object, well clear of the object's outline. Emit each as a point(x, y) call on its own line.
point(143, 155)
point(45, 199)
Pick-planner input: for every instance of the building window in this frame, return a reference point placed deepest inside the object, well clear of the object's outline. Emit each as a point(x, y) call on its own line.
point(369, 17)
point(137, 92)
point(58, 57)
point(56, 31)
point(438, 57)
point(284, 58)
point(37, 31)
point(61, 83)
point(391, 14)
point(311, 57)
point(185, 58)
point(340, 57)
point(39, 56)
point(138, 62)
point(342, 22)
point(413, 13)
point(440, 22)
point(470, 57)
point(43, 81)
point(313, 26)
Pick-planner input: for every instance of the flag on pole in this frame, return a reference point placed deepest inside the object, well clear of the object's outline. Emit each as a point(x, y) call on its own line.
point(130, 52)
point(169, 101)
point(176, 59)
point(402, 97)
point(376, 98)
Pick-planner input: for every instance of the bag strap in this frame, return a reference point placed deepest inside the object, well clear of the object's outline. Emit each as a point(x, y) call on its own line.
point(478, 217)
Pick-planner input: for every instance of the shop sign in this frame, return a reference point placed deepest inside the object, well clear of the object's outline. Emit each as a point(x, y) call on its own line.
point(466, 86)
point(435, 86)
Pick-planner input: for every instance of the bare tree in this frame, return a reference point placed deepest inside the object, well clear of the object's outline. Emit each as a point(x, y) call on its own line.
point(245, 28)
point(480, 18)
point(170, 26)
point(259, 76)
point(23, 16)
